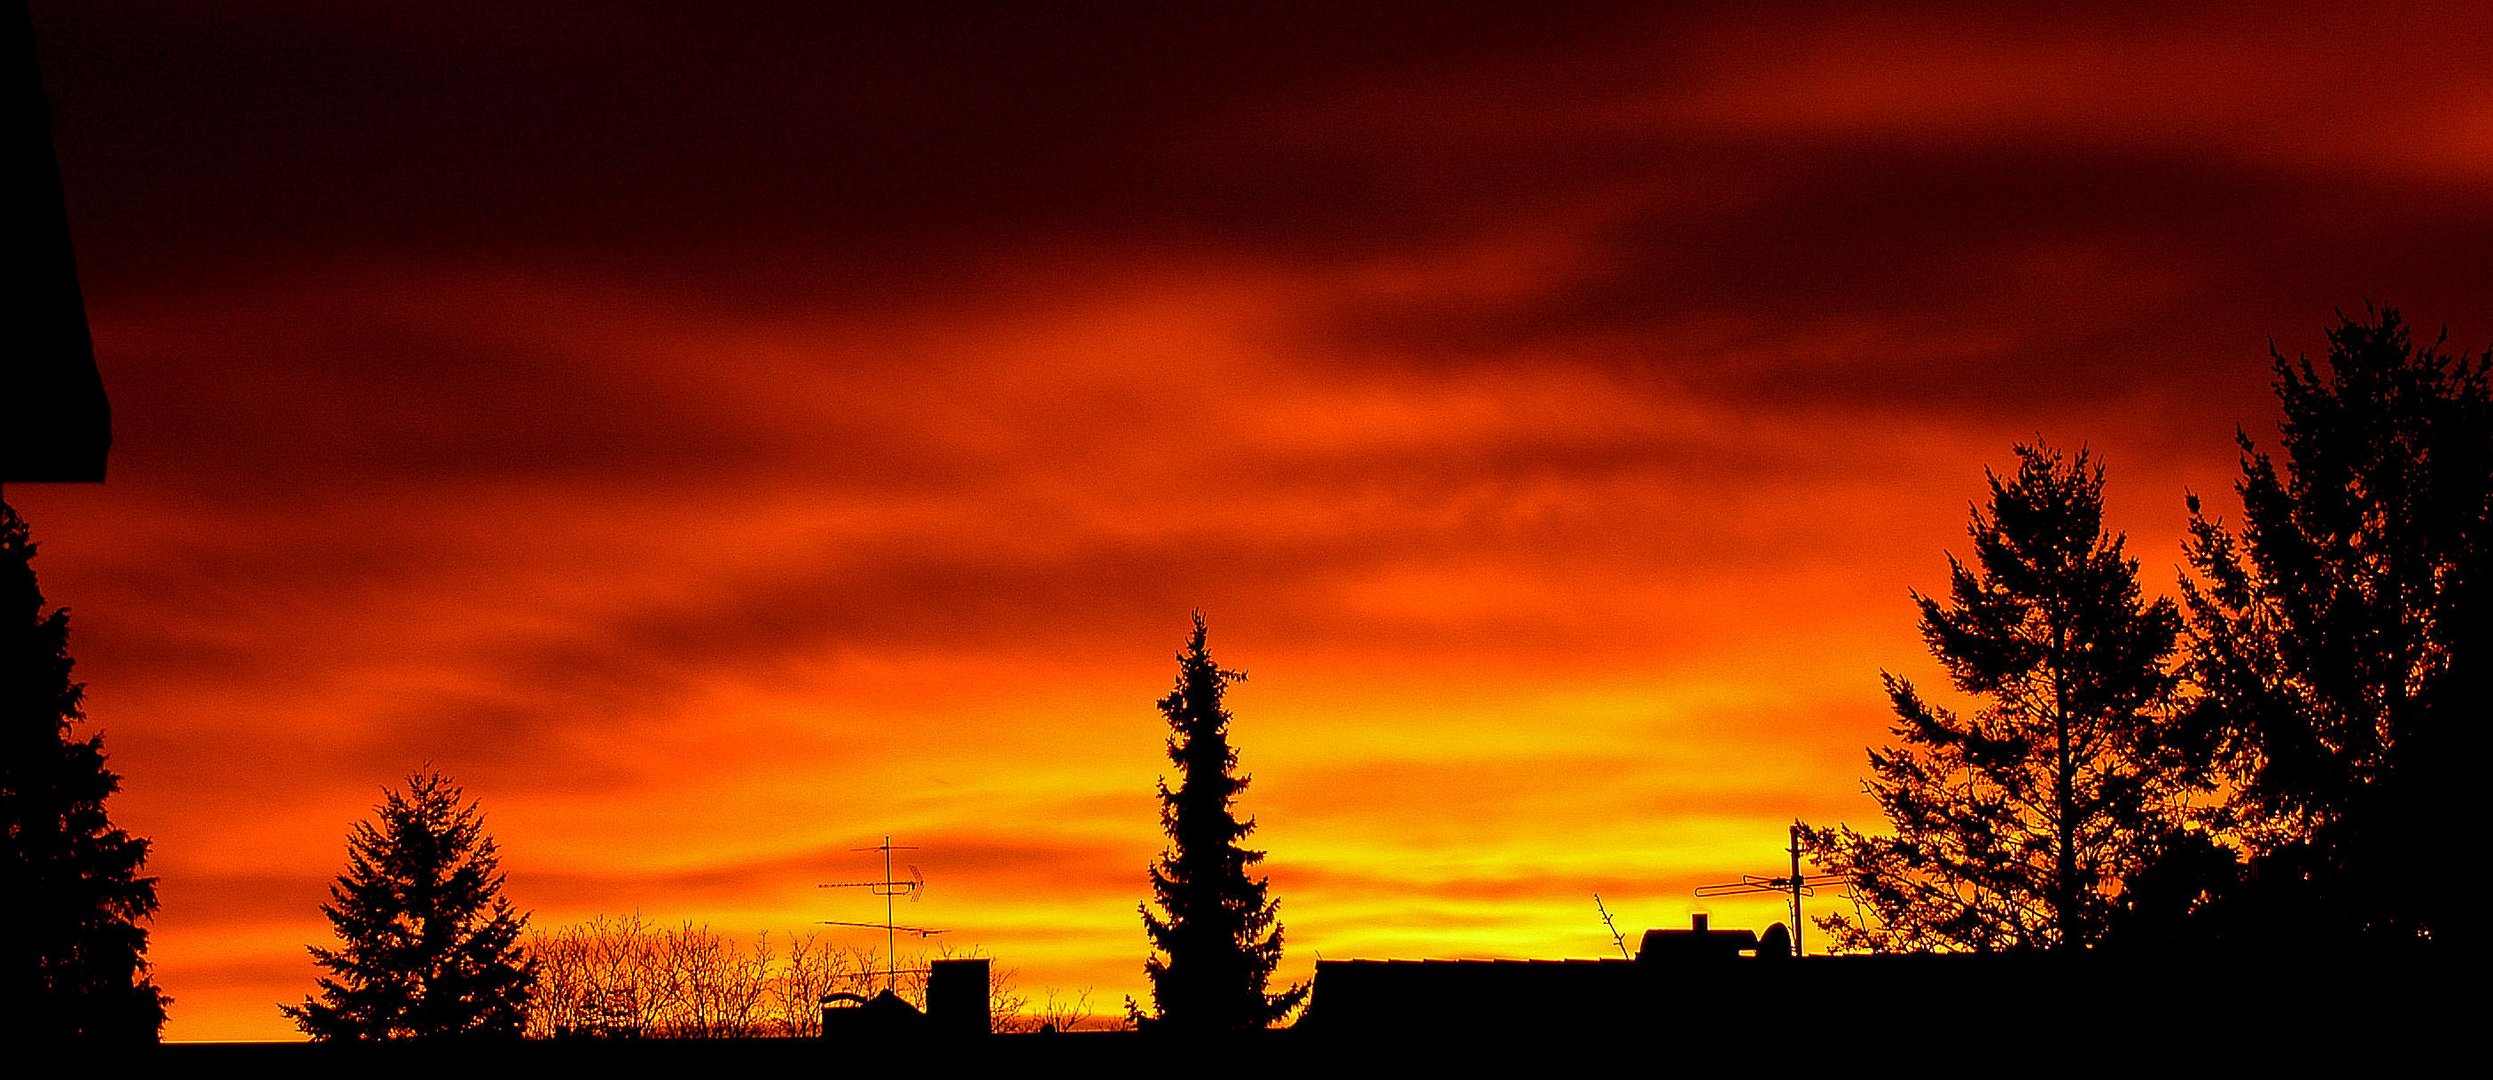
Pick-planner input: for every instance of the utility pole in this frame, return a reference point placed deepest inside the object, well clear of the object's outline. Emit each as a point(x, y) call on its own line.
point(1795, 879)
point(1794, 886)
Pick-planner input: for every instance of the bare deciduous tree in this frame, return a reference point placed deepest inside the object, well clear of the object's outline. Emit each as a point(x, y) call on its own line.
point(1060, 1013)
point(626, 977)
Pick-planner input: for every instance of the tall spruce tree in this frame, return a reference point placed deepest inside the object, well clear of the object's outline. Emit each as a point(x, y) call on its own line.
point(1217, 937)
point(72, 899)
point(430, 946)
point(2340, 634)
point(2019, 826)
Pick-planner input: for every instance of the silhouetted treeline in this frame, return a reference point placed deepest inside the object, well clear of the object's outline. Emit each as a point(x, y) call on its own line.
point(627, 978)
point(428, 948)
point(2282, 766)
point(1216, 937)
point(2341, 645)
point(2011, 828)
point(74, 897)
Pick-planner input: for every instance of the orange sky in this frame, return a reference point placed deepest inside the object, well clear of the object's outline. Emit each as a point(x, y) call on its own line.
point(720, 440)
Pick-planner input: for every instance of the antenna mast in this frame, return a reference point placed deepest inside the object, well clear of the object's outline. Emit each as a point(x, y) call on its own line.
point(1795, 886)
point(888, 888)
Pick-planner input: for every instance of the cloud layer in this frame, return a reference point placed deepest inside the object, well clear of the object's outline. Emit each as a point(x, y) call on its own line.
point(721, 439)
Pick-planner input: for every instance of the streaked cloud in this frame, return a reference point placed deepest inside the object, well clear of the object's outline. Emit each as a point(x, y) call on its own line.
point(722, 439)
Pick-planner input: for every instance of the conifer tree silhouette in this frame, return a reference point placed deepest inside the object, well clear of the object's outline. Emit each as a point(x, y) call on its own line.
point(430, 948)
point(2341, 633)
point(1217, 937)
point(2020, 826)
point(72, 899)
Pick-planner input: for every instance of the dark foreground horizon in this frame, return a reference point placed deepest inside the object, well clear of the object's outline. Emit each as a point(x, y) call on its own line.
point(2029, 1014)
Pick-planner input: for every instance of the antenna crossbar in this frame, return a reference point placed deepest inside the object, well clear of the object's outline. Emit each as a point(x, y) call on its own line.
point(1794, 885)
point(912, 887)
point(921, 931)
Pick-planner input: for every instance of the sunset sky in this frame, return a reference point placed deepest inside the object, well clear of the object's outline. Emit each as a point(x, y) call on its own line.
point(722, 438)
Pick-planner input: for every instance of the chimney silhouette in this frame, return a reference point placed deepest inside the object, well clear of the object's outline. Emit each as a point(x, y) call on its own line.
point(956, 998)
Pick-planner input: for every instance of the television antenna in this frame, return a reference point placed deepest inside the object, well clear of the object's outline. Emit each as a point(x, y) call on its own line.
point(1613, 927)
point(889, 888)
point(1795, 886)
